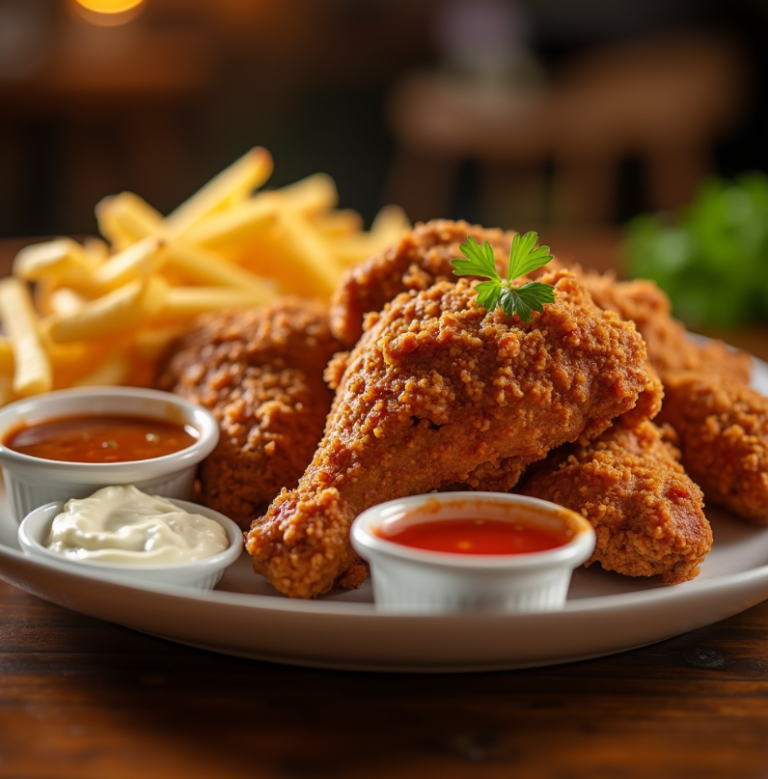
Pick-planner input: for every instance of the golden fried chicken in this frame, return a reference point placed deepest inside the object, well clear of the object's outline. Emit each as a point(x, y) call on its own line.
point(435, 388)
point(261, 374)
point(421, 257)
point(723, 430)
point(647, 513)
point(670, 347)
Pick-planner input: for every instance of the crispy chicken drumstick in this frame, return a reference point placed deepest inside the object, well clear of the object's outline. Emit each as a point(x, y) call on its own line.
point(647, 513)
point(435, 388)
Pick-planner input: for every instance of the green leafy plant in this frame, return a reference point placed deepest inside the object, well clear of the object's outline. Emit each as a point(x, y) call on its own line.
point(712, 260)
point(524, 257)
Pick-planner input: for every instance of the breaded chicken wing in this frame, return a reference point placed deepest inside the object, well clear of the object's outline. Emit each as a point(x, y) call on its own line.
point(261, 374)
point(647, 513)
point(421, 257)
point(434, 389)
point(723, 430)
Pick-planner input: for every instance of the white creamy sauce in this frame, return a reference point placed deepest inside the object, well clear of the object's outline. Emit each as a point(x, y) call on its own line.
point(125, 525)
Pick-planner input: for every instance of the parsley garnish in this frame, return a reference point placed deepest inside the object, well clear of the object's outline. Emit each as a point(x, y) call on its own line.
point(523, 259)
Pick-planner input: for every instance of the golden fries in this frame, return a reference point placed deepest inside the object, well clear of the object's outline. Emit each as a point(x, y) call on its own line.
point(106, 311)
point(231, 185)
point(32, 369)
point(126, 218)
point(136, 262)
point(119, 311)
point(114, 370)
point(63, 259)
point(206, 267)
point(183, 303)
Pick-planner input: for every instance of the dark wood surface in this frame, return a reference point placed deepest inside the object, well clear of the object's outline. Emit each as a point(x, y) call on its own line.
point(83, 698)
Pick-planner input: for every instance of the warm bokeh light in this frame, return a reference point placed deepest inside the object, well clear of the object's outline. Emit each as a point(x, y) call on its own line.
point(109, 6)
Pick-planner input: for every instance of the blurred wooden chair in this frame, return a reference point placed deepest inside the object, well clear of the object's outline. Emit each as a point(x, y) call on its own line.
point(665, 101)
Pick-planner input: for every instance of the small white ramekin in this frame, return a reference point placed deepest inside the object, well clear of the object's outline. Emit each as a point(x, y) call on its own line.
point(201, 574)
point(32, 481)
point(408, 580)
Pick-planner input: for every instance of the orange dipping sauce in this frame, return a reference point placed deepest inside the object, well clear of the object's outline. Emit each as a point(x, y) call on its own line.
point(99, 439)
point(477, 536)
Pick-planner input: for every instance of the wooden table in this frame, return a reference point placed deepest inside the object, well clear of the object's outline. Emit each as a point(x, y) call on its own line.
point(84, 698)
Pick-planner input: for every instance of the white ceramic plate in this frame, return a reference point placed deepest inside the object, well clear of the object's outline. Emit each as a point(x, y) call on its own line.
point(605, 612)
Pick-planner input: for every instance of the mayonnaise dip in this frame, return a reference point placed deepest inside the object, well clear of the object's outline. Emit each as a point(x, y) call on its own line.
point(125, 525)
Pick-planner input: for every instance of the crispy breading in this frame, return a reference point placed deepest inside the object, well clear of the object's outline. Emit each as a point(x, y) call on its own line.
point(647, 512)
point(421, 258)
point(723, 430)
point(670, 347)
point(435, 388)
point(260, 373)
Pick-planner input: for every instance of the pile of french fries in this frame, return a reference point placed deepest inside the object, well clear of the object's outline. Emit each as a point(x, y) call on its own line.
point(103, 312)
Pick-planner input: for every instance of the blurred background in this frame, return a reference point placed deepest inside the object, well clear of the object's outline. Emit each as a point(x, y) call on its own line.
point(559, 115)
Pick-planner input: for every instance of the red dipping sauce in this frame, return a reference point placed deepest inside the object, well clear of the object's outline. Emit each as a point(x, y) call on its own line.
point(477, 536)
point(107, 438)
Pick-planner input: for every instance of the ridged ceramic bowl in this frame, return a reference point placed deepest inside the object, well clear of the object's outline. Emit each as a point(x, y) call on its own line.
point(410, 580)
point(32, 481)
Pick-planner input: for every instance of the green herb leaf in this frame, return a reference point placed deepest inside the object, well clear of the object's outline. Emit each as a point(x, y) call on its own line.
point(488, 293)
point(523, 258)
point(480, 260)
point(534, 294)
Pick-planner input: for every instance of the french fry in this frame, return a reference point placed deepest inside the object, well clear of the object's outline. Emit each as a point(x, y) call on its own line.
point(114, 370)
point(63, 260)
point(231, 185)
point(71, 361)
point(389, 225)
point(387, 228)
point(136, 262)
point(6, 356)
point(7, 394)
point(235, 225)
point(183, 303)
point(130, 217)
point(96, 250)
point(339, 223)
point(152, 343)
point(65, 301)
point(109, 227)
point(313, 262)
point(119, 311)
point(32, 369)
point(207, 267)
point(310, 196)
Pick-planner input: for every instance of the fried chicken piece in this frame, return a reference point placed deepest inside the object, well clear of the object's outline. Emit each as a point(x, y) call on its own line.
point(261, 374)
point(435, 388)
point(501, 477)
point(421, 258)
point(647, 513)
point(670, 347)
point(723, 430)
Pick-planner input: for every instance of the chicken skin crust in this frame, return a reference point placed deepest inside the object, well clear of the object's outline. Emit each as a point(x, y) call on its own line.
point(421, 258)
point(261, 374)
point(435, 388)
point(670, 347)
point(647, 513)
point(723, 430)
